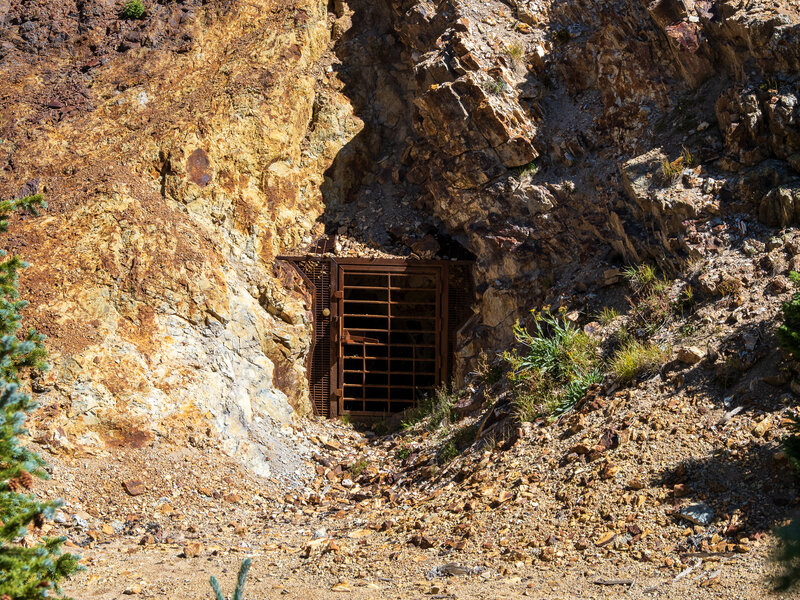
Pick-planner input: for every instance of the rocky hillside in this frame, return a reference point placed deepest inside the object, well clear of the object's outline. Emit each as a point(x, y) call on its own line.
point(534, 133)
point(555, 141)
point(183, 151)
point(179, 154)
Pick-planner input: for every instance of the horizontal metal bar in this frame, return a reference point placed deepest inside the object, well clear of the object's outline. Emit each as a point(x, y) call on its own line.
point(392, 302)
point(366, 413)
point(393, 317)
point(386, 287)
point(394, 358)
point(355, 331)
point(387, 386)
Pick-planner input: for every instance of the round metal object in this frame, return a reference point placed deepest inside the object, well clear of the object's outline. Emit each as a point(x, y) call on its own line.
point(326, 312)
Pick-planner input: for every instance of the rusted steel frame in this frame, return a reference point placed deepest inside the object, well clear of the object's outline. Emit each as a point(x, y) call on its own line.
point(336, 267)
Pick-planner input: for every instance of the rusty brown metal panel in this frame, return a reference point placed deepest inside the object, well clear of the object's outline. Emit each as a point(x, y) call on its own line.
point(316, 271)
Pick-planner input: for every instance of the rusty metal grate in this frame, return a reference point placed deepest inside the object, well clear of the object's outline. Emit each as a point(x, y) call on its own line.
point(317, 273)
point(390, 346)
point(384, 330)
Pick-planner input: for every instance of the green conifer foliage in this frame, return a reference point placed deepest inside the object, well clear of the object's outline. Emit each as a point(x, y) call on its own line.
point(789, 332)
point(25, 572)
point(789, 551)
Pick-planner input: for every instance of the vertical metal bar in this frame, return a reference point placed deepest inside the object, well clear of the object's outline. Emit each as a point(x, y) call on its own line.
point(335, 328)
point(443, 329)
point(388, 406)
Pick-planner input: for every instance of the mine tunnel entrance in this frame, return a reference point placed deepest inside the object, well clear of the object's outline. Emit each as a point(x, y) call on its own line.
point(384, 330)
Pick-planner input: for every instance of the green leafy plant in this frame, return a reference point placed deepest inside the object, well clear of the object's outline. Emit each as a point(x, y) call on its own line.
point(26, 571)
point(381, 428)
point(788, 553)
point(650, 305)
point(240, 581)
point(640, 277)
point(529, 170)
point(133, 10)
point(636, 358)
point(464, 436)
point(770, 84)
point(358, 468)
point(685, 300)
point(557, 364)
point(486, 372)
point(446, 453)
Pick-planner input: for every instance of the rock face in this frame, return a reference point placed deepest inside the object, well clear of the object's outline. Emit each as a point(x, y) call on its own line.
point(181, 153)
point(541, 130)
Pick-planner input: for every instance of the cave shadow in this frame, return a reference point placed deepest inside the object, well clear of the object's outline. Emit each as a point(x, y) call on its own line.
point(367, 192)
point(362, 188)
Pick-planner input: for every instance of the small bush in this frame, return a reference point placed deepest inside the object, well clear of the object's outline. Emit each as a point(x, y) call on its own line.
point(446, 453)
point(27, 571)
point(485, 371)
point(464, 436)
point(688, 157)
point(607, 315)
point(133, 10)
point(621, 336)
point(556, 368)
point(528, 171)
point(650, 306)
point(636, 358)
point(435, 410)
point(685, 300)
point(669, 172)
point(770, 84)
point(640, 277)
point(358, 468)
point(495, 86)
point(516, 52)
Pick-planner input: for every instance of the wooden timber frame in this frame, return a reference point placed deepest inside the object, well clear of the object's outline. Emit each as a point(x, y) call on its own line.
point(384, 330)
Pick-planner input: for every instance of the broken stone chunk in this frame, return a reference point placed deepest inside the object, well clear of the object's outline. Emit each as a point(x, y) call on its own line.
point(690, 355)
point(606, 538)
point(699, 513)
point(193, 550)
point(135, 487)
